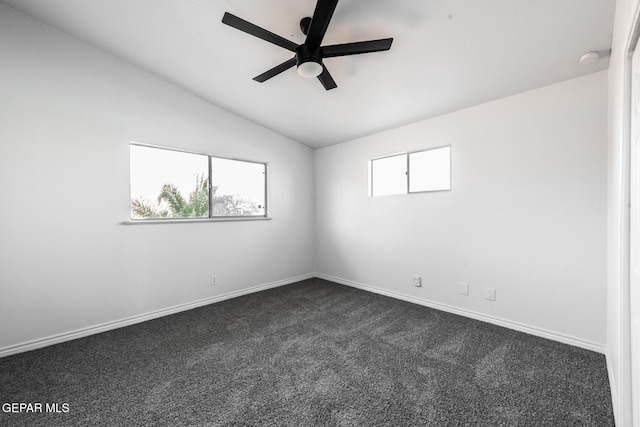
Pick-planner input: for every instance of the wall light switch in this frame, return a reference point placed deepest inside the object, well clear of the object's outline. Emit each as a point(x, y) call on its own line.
point(417, 281)
point(464, 289)
point(491, 294)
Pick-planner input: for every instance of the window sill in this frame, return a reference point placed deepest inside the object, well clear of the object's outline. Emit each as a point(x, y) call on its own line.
point(193, 220)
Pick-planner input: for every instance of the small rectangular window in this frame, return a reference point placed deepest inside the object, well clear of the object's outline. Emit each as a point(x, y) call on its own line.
point(389, 175)
point(168, 184)
point(171, 184)
point(430, 170)
point(415, 172)
point(237, 188)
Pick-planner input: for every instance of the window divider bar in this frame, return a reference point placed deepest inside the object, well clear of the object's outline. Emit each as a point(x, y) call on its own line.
point(408, 172)
point(266, 193)
point(210, 189)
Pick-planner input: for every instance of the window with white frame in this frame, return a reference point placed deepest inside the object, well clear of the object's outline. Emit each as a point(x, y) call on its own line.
point(173, 184)
point(415, 172)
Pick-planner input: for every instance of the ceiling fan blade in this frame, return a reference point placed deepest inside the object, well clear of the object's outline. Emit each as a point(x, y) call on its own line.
point(275, 70)
point(355, 48)
point(254, 30)
point(326, 79)
point(320, 21)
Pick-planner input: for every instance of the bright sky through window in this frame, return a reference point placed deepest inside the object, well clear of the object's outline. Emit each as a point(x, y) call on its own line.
point(168, 184)
point(390, 175)
point(430, 170)
point(151, 168)
point(415, 172)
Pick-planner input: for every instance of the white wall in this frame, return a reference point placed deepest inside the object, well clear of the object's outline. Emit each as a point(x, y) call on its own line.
point(67, 114)
point(618, 323)
point(526, 216)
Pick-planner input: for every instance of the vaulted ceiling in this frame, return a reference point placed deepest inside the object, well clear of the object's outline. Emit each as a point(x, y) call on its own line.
point(446, 54)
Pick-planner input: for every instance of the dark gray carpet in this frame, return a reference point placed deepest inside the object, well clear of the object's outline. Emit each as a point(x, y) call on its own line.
point(310, 353)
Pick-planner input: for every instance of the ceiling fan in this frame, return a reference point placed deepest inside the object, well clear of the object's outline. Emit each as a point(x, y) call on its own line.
point(309, 55)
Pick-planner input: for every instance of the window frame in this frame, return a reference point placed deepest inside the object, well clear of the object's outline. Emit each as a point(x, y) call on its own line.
point(371, 175)
point(409, 170)
point(210, 217)
point(407, 155)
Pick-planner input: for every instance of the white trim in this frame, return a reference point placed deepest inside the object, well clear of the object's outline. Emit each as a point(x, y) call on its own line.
point(631, 133)
point(194, 220)
point(91, 330)
point(622, 384)
point(615, 403)
point(108, 326)
point(532, 330)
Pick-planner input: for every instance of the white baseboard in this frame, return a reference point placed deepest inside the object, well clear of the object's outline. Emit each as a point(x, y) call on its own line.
point(544, 333)
point(91, 330)
point(613, 387)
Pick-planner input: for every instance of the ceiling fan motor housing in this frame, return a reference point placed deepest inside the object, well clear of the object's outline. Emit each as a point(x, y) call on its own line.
point(306, 53)
point(308, 57)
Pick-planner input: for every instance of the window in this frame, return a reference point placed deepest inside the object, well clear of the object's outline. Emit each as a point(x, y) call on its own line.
point(389, 175)
point(416, 172)
point(171, 184)
point(430, 170)
point(239, 188)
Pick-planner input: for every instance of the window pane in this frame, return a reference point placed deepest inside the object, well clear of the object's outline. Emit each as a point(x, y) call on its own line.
point(430, 170)
point(238, 188)
point(168, 184)
point(389, 175)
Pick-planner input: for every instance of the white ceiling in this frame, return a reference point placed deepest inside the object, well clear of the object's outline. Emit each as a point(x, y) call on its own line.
point(446, 54)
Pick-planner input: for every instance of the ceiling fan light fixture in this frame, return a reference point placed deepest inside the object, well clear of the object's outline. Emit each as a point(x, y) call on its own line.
point(310, 69)
point(309, 55)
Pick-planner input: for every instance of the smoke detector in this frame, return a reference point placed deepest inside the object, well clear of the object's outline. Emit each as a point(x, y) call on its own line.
point(589, 57)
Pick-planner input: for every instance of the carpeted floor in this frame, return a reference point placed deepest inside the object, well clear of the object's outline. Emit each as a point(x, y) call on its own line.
point(308, 354)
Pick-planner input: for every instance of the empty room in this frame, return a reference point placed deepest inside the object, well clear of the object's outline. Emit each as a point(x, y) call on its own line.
point(319, 212)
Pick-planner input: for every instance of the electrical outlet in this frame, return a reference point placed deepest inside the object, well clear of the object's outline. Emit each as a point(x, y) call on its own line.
point(417, 281)
point(491, 294)
point(464, 289)
point(214, 280)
